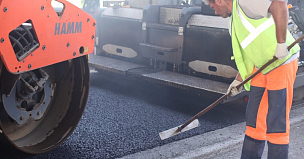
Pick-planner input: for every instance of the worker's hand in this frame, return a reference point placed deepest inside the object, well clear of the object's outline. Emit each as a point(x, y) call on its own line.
point(281, 51)
point(232, 88)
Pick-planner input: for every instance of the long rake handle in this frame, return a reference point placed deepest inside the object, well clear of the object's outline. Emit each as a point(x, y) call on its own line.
point(238, 86)
point(202, 112)
point(267, 64)
point(257, 72)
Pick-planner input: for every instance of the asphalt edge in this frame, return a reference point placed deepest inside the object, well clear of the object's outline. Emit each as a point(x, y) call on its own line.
point(202, 146)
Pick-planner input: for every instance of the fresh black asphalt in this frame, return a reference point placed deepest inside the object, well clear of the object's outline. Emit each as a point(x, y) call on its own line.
point(124, 117)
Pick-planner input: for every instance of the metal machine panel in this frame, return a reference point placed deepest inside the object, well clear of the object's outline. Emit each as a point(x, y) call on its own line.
point(132, 13)
point(111, 65)
point(205, 44)
point(120, 35)
point(169, 16)
point(162, 41)
point(202, 55)
point(163, 44)
point(184, 81)
point(119, 50)
point(213, 69)
point(157, 76)
point(209, 21)
point(141, 3)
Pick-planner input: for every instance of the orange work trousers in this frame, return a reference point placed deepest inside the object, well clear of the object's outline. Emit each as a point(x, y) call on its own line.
point(269, 104)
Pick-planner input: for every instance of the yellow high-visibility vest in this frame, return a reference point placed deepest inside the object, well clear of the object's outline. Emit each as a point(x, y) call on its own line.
point(254, 43)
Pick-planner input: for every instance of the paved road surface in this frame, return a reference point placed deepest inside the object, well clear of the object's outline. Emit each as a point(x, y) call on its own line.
point(124, 117)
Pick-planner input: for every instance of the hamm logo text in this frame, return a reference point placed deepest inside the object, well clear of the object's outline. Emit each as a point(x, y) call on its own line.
point(68, 28)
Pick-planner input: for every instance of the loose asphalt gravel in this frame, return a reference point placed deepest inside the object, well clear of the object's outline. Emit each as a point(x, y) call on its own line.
point(124, 117)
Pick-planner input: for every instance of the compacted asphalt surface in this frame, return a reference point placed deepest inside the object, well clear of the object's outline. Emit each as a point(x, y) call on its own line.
point(124, 117)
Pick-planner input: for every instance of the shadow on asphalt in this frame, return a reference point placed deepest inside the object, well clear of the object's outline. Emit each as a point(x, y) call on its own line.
point(176, 99)
point(10, 153)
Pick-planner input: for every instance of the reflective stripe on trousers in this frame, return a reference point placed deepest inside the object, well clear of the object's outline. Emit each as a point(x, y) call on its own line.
point(270, 100)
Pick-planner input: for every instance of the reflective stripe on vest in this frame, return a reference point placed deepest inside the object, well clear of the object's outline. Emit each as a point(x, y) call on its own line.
point(254, 32)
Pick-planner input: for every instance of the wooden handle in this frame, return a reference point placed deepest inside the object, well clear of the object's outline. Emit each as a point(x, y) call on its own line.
point(295, 42)
point(268, 63)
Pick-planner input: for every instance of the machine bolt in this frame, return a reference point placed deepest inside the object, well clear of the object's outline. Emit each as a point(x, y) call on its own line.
point(29, 66)
point(2, 40)
point(21, 117)
point(68, 44)
point(74, 54)
point(88, 20)
point(93, 36)
point(5, 9)
point(94, 24)
point(43, 47)
point(38, 113)
point(42, 7)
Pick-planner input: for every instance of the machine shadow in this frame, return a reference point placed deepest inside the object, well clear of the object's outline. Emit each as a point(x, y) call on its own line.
point(177, 100)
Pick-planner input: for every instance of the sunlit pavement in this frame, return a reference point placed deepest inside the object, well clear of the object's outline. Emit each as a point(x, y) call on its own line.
point(224, 143)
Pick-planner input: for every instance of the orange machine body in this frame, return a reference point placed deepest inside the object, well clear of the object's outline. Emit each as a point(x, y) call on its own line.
point(60, 38)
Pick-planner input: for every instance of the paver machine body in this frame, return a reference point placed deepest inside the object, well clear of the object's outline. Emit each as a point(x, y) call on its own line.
point(176, 43)
point(44, 74)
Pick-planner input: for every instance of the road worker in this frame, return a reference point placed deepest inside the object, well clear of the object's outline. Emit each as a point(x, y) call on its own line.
point(258, 31)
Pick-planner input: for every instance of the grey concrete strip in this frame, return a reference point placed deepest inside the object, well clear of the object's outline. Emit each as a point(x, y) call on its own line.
point(223, 143)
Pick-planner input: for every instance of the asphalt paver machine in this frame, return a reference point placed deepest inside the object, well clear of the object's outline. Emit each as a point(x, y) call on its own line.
point(181, 44)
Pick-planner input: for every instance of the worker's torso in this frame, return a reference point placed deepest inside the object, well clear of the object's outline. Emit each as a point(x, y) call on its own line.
point(254, 42)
